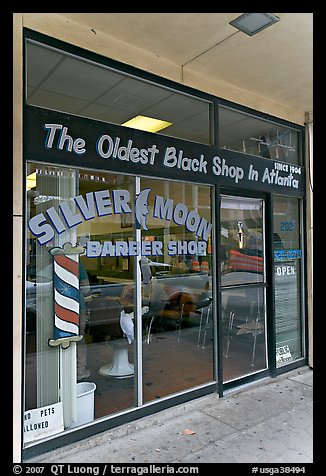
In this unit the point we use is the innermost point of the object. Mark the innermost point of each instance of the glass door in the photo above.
(243, 284)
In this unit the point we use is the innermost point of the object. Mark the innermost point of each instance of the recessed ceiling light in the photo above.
(31, 181)
(144, 123)
(252, 23)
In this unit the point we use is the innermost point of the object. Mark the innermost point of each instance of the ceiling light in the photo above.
(31, 181)
(252, 23)
(148, 124)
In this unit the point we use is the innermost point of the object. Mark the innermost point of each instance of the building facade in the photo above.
(154, 261)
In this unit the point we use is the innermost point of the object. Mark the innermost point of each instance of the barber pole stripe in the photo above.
(66, 295)
(66, 276)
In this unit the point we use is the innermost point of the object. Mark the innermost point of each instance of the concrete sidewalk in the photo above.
(266, 422)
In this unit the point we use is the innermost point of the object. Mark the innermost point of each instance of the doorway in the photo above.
(243, 286)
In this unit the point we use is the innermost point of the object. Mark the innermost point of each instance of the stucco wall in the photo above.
(57, 26)
(17, 233)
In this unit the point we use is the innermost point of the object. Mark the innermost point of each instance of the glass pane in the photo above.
(178, 327)
(66, 83)
(251, 135)
(243, 303)
(242, 244)
(287, 279)
(68, 208)
(85, 232)
(244, 331)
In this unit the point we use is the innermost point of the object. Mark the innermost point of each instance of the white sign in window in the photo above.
(283, 354)
(43, 422)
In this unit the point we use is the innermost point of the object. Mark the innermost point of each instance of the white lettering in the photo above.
(186, 248)
(163, 208)
(56, 220)
(71, 220)
(192, 221)
(87, 208)
(120, 200)
(157, 248)
(52, 129)
(93, 249)
(103, 202)
(204, 229)
(172, 160)
(99, 146)
(108, 249)
(180, 214)
(118, 203)
(40, 228)
(273, 177)
(107, 147)
(285, 270)
(220, 167)
(77, 145)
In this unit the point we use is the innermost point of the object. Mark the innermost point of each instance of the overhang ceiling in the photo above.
(275, 64)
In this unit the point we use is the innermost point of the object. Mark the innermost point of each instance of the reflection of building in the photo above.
(215, 288)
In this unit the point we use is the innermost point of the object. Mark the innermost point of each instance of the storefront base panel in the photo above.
(291, 366)
(71, 437)
(235, 384)
(67, 438)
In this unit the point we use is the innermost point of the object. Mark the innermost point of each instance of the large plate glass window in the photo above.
(178, 330)
(252, 135)
(288, 260)
(68, 83)
(118, 294)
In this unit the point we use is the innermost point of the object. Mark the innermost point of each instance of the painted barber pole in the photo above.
(66, 307)
(66, 295)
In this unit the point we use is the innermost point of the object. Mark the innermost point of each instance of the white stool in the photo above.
(120, 367)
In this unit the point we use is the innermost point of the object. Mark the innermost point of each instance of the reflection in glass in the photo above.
(243, 293)
(178, 328)
(251, 135)
(242, 256)
(61, 82)
(243, 323)
(82, 208)
(105, 355)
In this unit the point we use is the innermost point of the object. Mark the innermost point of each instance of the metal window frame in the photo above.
(302, 360)
(263, 285)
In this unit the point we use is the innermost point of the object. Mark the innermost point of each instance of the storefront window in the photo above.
(121, 268)
(88, 235)
(178, 344)
(287, 279)
(54, 307)
(251, 135)
(59, 81)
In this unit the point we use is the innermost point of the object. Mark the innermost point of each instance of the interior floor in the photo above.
(172, 362)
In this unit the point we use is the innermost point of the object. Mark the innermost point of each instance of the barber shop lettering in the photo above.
(116, 202)
(126, 150)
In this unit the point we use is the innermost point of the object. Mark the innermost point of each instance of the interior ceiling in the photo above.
(275, 64)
